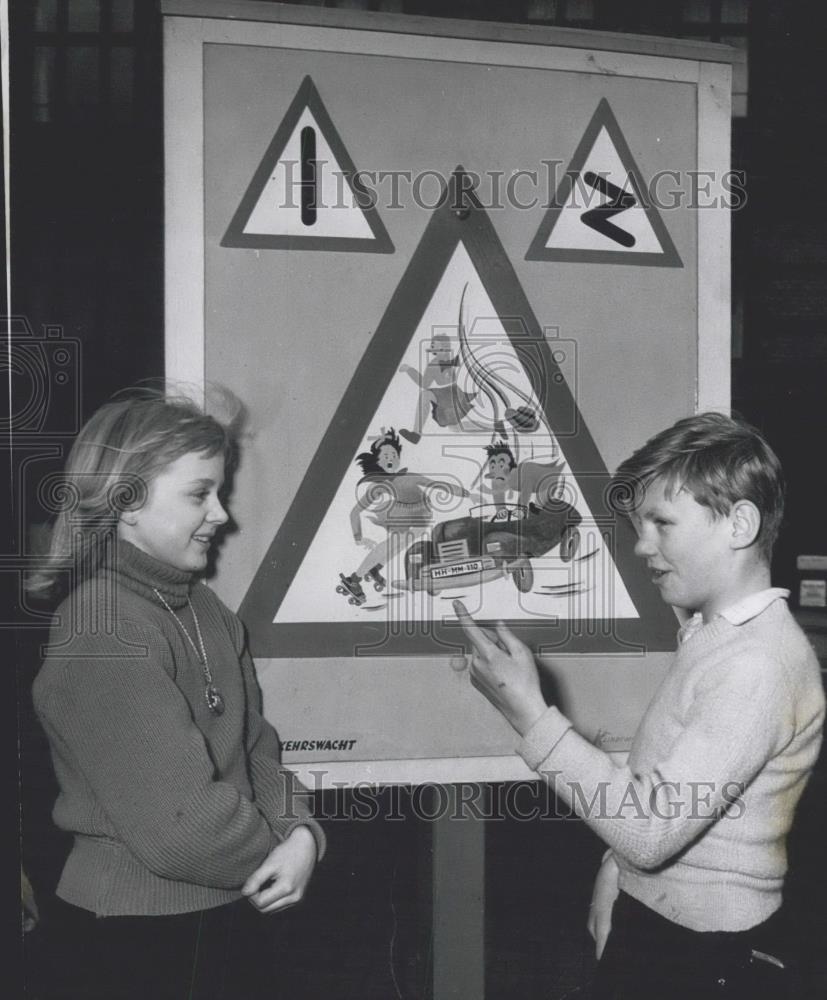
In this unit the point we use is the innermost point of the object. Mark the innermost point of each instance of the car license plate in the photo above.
(458, 569)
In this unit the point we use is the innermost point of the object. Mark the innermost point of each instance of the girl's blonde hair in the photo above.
(117, 454)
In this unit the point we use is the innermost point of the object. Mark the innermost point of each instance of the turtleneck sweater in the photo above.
(697, 817)
(172, 807)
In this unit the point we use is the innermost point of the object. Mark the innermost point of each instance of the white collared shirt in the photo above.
(737, 614)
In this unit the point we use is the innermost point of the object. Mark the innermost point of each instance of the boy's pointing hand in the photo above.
(503, 669)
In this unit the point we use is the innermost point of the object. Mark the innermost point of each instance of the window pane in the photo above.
(84, 15)
(43, 83)
(541, 10)
(122, 15)
(580, 10)
(696, 11)
(122, 63)
(45, 15)
(734, 11)
(81, 76)
(736, 41)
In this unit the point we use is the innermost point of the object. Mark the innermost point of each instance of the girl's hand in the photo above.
(281, 879)
(603, 899)
(503, 669)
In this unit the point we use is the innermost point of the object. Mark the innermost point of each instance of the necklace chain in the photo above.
(215, 702)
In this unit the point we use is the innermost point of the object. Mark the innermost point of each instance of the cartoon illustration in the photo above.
(478, 492)
(394, 499)
(439, 394)
(441, 398)
(543, 481)
(493, 540)
(487, 545)
(496, 387)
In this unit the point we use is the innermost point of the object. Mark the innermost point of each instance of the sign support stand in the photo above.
(458, 881)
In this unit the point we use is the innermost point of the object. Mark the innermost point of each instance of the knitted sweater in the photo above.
(698, 815)
(171, 806)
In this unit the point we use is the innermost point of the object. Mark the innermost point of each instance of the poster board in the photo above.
(513, 246)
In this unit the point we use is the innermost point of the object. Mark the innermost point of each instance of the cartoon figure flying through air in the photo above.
(440, 396)
(396, 500)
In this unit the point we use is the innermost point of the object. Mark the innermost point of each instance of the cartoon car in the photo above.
(494, 540)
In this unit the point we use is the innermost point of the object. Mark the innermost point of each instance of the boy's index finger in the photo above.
(476, 634)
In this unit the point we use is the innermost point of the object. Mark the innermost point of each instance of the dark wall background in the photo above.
(87, 225)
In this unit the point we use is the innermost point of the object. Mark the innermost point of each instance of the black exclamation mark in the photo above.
(308, 181)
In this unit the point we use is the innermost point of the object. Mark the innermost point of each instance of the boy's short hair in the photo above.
(719, 459)
(500, 448)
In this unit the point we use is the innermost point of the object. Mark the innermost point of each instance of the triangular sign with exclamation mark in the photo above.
(303, 194)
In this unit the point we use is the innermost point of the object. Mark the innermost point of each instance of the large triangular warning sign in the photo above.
(456, 466)
(303, 195)
(601, 212)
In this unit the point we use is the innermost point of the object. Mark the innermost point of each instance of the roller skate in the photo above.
(375, 576)
(350, 587)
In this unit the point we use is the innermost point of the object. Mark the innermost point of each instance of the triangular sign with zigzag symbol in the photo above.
(603, 211)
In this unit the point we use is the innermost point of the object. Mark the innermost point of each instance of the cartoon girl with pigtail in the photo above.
(396, 500)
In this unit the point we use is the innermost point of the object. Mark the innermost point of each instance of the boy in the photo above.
(697, 818)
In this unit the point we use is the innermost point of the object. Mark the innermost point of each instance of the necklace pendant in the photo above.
(215, 703)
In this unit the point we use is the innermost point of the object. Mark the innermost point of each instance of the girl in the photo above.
(169, 776)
